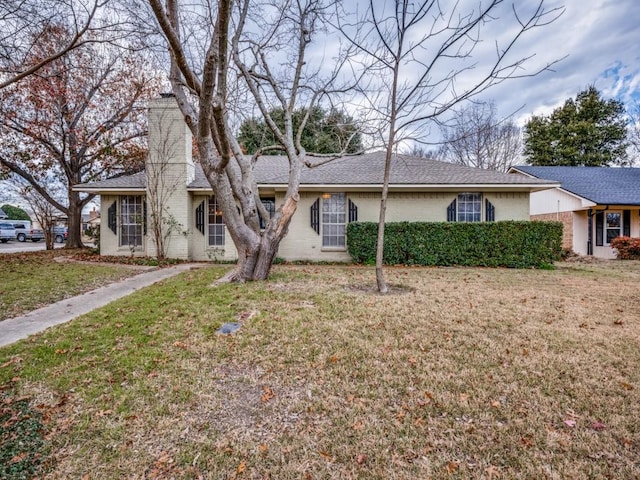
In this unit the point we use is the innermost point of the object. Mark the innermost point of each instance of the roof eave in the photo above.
(420, 186)
(110, 190)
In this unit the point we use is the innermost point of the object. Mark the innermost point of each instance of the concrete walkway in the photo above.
(17, 328)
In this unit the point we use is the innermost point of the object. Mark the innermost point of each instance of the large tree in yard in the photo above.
(588, 131)
(260, 48)
(81, 117)
(418, 60)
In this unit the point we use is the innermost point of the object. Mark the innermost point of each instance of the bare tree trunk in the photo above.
(254, 265)
(256, 258)
(380, 280)
(74, 216)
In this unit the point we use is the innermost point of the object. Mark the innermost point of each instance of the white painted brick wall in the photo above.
(169, 169)
(170, 147)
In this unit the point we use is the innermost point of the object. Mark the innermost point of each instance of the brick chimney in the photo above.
(169, 169)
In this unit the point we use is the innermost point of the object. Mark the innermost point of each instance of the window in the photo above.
(216, 224)
(333, 220)
(131, 221)
(469, 207)
(613, 226)
(270, 204)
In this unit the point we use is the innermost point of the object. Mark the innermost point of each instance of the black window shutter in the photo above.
(490, 211)
(353, 212)
(626, 223)
(112, 218)
(451, 212)
(315, 216)
(599, 229)
(144, 217)
(200, 217)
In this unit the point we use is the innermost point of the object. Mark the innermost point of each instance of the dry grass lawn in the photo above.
(461, 373)
(35, 279)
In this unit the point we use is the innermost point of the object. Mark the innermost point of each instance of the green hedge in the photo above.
(491, 244)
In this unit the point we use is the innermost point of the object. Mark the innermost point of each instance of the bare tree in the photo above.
(633, 135)
(25, 23)
(220, 50)
(423, 152)
(46, 214)
(81, 116)
(416, 62)
(477, 138)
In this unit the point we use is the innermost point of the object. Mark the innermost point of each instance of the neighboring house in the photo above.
(595, 204)
(91, 219)
(344, 190)
(3, 215)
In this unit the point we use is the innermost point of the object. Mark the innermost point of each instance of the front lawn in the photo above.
(460, 373)
(35, 279)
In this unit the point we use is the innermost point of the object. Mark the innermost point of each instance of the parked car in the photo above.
(60, 234)
(7, 232)
(23, 233)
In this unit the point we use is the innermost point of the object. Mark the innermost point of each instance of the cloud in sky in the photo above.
(595, 42)
(600, 39)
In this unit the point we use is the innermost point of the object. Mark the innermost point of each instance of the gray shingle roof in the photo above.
(356, 170)
(601, 185)
(137, 181)
(368, 170)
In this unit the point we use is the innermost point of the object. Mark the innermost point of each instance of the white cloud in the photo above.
(600, 39)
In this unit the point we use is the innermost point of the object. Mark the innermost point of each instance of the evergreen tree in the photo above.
(15, 213)
(325, 132)
(588, 131)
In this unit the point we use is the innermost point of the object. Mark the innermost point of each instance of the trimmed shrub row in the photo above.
(628, 248)
(516, 244)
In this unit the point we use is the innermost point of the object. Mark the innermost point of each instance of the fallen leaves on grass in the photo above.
(267, 394)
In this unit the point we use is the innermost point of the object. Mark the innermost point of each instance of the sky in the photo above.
(601, 42)
(598, 42)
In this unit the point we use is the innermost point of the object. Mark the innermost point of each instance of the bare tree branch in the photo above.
(419, 64)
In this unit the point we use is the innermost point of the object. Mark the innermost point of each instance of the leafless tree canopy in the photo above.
(634, 132)
(477, 138)
(246, 50)
(24, 23)
(81, 116)
(417, 60)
